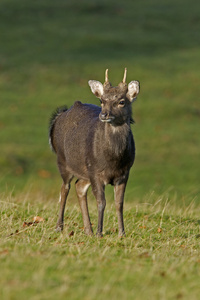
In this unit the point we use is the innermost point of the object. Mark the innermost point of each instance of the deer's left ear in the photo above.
(96, 88)
(133, 90)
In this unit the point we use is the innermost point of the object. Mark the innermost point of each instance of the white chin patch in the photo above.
(106, 121)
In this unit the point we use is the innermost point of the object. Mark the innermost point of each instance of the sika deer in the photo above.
(96, 145)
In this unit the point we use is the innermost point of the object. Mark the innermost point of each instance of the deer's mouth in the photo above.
(106, 119)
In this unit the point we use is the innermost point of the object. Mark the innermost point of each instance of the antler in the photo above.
(125, 72)
(106, 76)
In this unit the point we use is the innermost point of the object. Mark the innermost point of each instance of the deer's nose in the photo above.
(103, 115)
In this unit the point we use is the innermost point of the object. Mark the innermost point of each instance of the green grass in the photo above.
(48, 52)
(158, 259)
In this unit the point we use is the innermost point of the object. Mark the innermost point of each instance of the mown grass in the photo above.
(158, 258)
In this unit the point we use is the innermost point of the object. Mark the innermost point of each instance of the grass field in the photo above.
(48, 52)
(158, 259)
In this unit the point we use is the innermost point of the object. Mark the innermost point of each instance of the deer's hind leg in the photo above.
(67, 177)
(81, 190)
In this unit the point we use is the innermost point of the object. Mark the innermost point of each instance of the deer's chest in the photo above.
(112, 171)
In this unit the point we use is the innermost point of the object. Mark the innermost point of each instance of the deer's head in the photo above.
(115, 101)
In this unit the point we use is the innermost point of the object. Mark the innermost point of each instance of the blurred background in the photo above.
(48, 52)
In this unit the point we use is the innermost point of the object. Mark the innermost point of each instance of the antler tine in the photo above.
(106, 76)
(125, 72)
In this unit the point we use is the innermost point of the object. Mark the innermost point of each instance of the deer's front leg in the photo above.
(119, 191)
(99, 193)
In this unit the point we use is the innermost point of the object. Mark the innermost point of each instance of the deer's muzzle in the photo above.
(105, 117)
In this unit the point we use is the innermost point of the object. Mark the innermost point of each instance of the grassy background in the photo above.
(48, 52)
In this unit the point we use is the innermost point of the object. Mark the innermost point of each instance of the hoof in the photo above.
(99, 234)
(122, 234)
(88, 231)
(59, 229)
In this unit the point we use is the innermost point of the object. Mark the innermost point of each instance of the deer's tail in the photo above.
(52, 122)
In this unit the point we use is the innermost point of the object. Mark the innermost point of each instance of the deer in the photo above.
(95, 145)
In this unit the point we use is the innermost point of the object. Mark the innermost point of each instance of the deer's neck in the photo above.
(117, 139)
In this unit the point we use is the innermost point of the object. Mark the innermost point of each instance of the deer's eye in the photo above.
(122, 102)
(100, 101)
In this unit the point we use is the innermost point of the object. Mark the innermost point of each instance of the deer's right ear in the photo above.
(96, 88)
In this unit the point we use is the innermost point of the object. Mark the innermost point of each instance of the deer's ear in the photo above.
(133, 90)
(96, 88)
